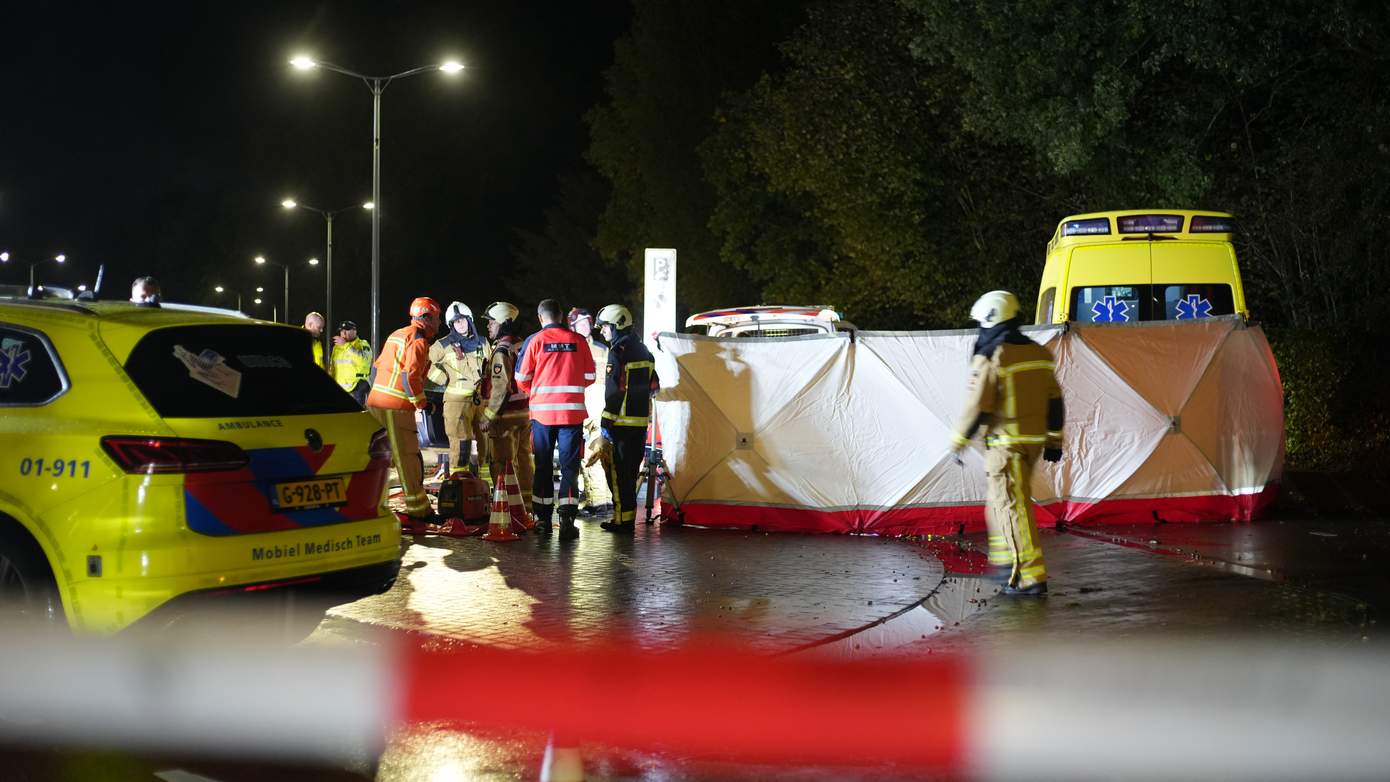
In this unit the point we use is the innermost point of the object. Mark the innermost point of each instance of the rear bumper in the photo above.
(319, 590)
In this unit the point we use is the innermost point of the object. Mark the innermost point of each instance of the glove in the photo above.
(1052, 454)
(601, 449)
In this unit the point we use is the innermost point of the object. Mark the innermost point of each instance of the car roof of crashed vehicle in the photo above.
(735, 315)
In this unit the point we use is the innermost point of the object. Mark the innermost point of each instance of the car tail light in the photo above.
(148, 455)
(380, 449)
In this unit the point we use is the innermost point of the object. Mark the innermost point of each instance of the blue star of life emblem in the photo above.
(1193, 307)
(1110, 310)
(14, 365)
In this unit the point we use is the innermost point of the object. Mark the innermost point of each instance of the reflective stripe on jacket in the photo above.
(352, 363)
(500, 396)
(400, 371)
(557, 367)
(460, 373)
(631, 380)
(1015, 395)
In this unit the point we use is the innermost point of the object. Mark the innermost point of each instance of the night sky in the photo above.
(161, 139)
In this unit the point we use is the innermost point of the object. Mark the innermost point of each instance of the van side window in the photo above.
(1045, 306)
(30, 374)
(1187, 302)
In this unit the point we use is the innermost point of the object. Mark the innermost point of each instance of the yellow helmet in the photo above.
(501, 311)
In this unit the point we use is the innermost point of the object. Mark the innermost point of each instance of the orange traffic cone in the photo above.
(499, 523)
(515, 505)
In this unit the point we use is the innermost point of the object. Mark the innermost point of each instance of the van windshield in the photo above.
(233, 371)
(1171, 301)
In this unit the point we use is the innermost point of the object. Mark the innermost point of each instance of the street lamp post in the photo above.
(260, 259)
(328, 215)
(220, 289)
(59, 258)
(377, 84)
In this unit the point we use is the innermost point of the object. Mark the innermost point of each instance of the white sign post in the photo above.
(659, 309)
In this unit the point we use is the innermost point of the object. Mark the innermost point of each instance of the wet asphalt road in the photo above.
(852, 598)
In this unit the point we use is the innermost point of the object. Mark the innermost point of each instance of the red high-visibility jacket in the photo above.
(556, 369)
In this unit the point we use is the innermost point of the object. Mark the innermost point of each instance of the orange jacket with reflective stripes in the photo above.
(556, 369)
(400, 371)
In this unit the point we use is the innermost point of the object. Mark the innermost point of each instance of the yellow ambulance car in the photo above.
(154, 461)
(1137, 265)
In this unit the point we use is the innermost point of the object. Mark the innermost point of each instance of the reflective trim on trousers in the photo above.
(1015, 439)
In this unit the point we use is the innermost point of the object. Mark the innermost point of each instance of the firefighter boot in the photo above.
(567, 529)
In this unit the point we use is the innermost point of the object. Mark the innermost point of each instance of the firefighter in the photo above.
(352, 362)
(556, 369)
(629, 382)
(506, 417)
(598, 496)
(314, 323)
(456, 362)
(397, 392)
(1014, 394)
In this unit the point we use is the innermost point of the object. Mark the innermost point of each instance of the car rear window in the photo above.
(233, 370)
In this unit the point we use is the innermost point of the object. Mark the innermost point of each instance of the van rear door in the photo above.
(1194, 279)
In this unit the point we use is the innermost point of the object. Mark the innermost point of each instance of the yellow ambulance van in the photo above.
(1137, 265)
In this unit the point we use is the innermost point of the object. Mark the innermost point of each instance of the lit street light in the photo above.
(260, 259)
(377, 84)
(328, 215)
(59, 258)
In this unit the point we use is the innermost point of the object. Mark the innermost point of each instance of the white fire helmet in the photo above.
(455, 311)
(994, 308)
(615, 315)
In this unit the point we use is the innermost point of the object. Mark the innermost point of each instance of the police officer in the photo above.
(554, 373)
(1014, 395)
(457, 364)
(506, 414)
(629, 382)
(397, 392)
(598, 496)
(352, 362)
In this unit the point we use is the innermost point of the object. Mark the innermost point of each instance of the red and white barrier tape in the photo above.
(1150, 711)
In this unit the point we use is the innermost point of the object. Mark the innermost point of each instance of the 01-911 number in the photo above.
(57, 468)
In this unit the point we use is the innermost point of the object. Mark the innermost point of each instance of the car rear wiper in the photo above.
(1150, 238)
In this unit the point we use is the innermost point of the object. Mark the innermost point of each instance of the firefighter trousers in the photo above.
(458, 425)
(1012, 528)
(629, 446)
(405, 454)
(596, 488)
(510, 441)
